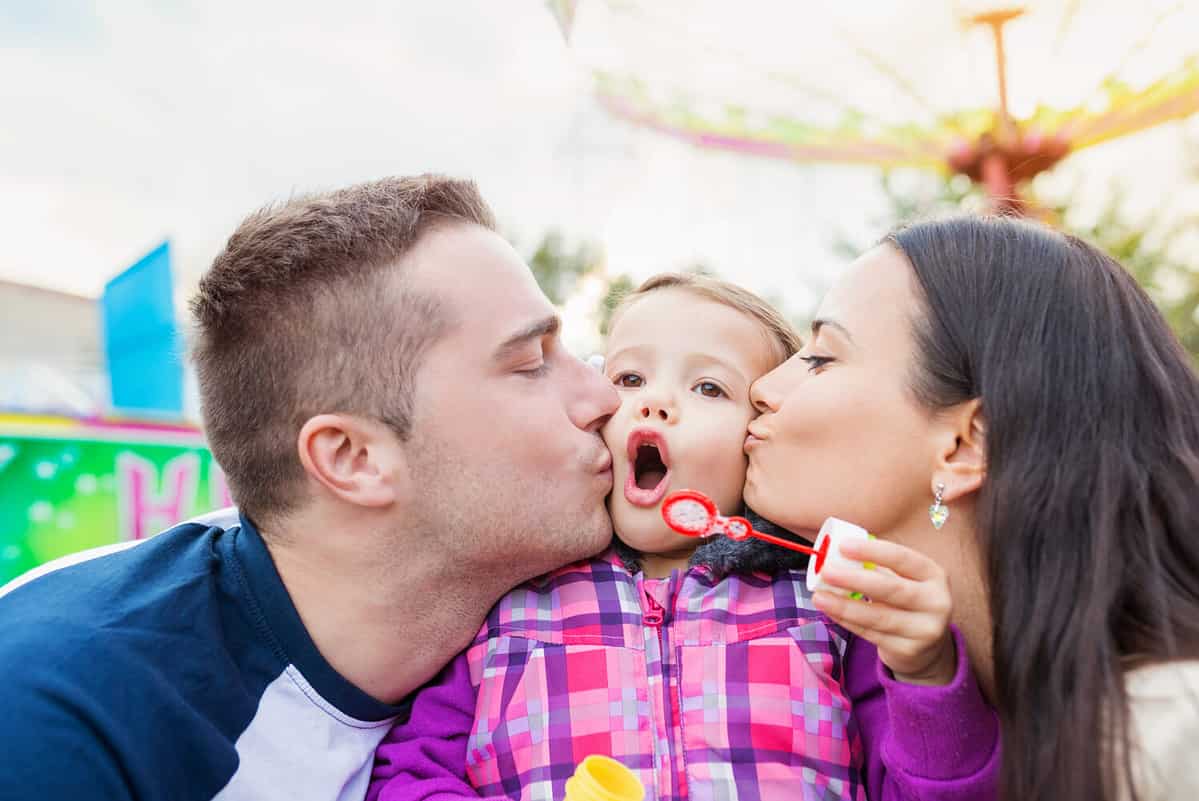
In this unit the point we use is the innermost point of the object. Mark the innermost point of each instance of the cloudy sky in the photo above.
(124, 123)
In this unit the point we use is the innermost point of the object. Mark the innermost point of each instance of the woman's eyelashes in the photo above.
(816, 362)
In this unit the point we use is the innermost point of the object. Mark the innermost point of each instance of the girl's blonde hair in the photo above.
(781, 332)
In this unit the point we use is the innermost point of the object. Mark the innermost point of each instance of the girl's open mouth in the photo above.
(649, 473)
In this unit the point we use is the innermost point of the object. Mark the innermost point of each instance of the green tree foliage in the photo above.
(1162, 254)
(617, 288)
(558, 267)
(1157, 255)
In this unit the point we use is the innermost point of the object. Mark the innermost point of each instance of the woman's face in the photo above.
(841, 433)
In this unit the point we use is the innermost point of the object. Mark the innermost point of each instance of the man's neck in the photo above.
(387, 625)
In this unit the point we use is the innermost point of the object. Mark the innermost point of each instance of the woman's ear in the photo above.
(962, 463)
(359, 461)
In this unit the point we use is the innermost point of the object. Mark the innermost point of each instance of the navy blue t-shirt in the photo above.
(177, 668)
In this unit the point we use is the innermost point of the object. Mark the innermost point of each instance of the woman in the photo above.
(1021, 383)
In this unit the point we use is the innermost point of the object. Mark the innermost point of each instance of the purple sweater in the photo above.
(917, 742)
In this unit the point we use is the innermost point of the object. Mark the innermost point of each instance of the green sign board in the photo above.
(67, 485)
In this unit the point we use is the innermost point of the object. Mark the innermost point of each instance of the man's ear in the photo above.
(360, 461)
(962, 461)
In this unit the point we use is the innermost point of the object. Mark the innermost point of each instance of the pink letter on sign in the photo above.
(143, 509)
(218, 487)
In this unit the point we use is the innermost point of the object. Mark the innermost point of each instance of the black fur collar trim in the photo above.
(723, 556)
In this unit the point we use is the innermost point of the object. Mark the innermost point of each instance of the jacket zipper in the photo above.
(655, 618)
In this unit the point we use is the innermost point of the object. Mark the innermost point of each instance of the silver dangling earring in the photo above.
(938, 512)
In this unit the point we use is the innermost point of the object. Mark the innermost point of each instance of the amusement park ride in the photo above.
(995, 147)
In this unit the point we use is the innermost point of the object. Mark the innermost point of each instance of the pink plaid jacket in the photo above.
(711, 688)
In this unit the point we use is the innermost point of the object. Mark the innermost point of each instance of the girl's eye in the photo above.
(815, 362)
(629, 380)
(709, 389)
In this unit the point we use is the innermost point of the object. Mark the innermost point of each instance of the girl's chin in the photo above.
(755, 496)
(663, 542)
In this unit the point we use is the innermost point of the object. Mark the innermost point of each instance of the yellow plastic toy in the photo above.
(601, 778)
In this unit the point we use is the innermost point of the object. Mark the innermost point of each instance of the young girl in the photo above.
(701, 665)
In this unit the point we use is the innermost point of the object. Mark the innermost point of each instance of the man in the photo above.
(384, 385)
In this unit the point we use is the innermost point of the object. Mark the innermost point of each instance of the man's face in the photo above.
(509, 470)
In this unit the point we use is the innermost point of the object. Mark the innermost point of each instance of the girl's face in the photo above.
(841, 433)
(682, 365)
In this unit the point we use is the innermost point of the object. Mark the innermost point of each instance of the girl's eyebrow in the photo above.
(703, 359)
(633, 350)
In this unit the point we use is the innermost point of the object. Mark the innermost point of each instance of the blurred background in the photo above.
(767, 142)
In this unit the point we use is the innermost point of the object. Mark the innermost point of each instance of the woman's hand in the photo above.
(907, 616)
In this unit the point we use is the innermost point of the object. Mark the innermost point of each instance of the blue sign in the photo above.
(141, 339)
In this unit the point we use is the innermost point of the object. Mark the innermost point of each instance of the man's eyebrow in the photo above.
(819, 323)
(544, 327)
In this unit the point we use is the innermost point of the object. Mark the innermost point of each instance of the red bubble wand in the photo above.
(694, 514)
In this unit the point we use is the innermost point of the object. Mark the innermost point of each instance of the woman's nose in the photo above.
(763, 394)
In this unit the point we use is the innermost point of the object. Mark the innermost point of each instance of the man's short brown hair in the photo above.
(304, 313)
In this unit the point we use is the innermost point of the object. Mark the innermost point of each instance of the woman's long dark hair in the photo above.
(1089, 516)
